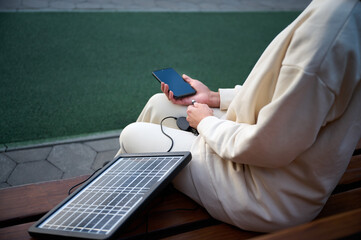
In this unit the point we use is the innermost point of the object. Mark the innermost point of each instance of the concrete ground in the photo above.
(73, 157)
(153, 5)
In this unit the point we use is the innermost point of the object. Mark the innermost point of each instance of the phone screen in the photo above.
(176, 83)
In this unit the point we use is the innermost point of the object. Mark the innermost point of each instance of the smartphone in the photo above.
(176, 83)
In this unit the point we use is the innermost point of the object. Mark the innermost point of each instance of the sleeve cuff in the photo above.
(226, 96)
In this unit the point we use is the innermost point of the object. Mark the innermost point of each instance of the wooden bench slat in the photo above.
(335, 227)
(353, 171)
(337, 204)
(16, 232)
(170, 212)
(224, 231)
(34, 199)
(358, 149)
(341, 202)
(220, 231)
(358, 146)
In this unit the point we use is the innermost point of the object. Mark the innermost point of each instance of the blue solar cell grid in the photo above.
(106, 201)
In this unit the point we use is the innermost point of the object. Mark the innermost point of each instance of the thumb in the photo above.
(187, 78)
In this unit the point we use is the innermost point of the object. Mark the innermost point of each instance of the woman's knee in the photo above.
(153, 109)
(156, 101)
(142, 137)
(127, 137)
(128, 131)
(157, 98)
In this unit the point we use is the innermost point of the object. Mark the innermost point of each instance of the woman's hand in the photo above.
(196, 112)
(203, 95)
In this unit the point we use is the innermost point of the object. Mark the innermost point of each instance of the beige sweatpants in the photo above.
(145, 136)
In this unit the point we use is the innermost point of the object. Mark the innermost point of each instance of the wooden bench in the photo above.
(172, 215)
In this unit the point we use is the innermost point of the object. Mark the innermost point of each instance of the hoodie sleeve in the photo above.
(227, 95)
(285, 127)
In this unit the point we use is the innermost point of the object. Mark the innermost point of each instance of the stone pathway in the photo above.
(57, 160)
(153, 5)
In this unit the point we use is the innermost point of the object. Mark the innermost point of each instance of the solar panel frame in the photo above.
(37, 231)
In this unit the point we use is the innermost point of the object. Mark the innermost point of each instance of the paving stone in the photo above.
(102, 158)
(33, 172)
(208, 7)
(6, 167)
(186, 6)
(29, 155)
(77, 172)
(283, 4)
(4, 185)
(64, 5)
(145, 4)
(109, 6)
(104, 144)
(169, 5)
(89, 5)
(153, 5)
(73, 159)
(10, 4)
(2, 146)
(35, 4)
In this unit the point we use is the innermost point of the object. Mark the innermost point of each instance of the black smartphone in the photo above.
(176, 83)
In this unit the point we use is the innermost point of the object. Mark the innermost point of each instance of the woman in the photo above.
(269, 153)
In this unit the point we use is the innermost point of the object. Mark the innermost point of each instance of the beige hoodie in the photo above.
(290, 130)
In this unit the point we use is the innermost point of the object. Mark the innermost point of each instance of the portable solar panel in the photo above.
(105, 203)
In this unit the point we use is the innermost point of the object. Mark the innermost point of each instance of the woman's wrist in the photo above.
(214, 99)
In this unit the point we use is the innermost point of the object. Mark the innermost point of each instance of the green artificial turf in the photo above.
(64, 74)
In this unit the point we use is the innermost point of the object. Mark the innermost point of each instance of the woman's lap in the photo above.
(145, 135)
